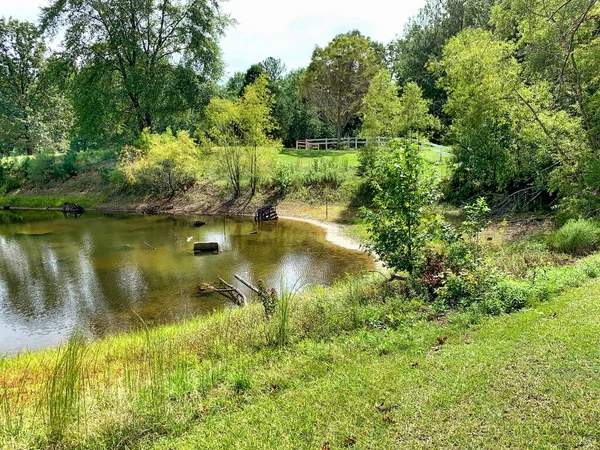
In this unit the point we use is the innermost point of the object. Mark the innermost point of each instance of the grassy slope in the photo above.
(529, 380)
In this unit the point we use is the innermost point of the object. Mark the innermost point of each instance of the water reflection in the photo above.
(100, 272)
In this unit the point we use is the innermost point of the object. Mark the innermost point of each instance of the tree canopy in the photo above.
(150, 56)
(338, 78)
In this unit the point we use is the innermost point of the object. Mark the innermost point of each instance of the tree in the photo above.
(147, 52)
(480, 77)
(295, 118)
(424, 38)
(274, 68)
(338, 78)
(413, 114)
(381, 107)
(256, 123)
(241, 130)
(235, 85)
(405, 189)
(32, 112)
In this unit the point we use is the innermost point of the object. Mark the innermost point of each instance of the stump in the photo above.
(72, 208)
(201, 247)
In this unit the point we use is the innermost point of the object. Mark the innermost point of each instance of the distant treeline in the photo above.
(512, 85)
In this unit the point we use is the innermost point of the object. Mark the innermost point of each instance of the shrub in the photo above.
(504, 297)
(576, 237)
(68, 165)
(43, 168)
(160, 165)
(283, 177)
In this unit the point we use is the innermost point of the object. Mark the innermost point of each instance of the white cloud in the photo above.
(281, 28)
(291, 30)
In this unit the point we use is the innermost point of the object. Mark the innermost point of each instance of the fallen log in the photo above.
(235, 294)
(247, 284)
(200, 247)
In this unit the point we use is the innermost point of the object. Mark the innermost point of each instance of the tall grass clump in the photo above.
(576, 237)
(63, 390)
(282, 318)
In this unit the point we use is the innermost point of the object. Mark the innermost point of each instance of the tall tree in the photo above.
(338, 79)
(146, 51)
(424, 38)
(25, 92)
(381, 109)
(274, 68)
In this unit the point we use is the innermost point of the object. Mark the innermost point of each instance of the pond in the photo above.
(105, 273)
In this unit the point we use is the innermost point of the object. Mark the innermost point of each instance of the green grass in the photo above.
(356, 365)
(50, 201)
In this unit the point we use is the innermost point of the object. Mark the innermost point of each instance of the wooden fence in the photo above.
(346, 142)
(356, 142)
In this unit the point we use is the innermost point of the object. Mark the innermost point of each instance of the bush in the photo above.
(576, 237)
(504, 297)
(43, 168)
(283, 177)
(160, 165)
(68, 165)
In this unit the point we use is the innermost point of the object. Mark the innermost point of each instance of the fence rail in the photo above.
(327, 143)
(355, 143)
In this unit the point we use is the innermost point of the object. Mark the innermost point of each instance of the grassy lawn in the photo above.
(362, 368)
(529, 380)
(304, 158)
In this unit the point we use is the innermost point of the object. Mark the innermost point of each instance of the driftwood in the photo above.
(227, 290)
(200, 247)
(247, 284)
(393, 276)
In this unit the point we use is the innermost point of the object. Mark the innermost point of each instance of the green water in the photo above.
(101, 271)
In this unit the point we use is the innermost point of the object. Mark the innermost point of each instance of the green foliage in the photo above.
(424, 38)
(325, 173)
(381, 108)
(160, 165)
(241, 132)
(338, 78)
(576, 237)
(475, 221)
(400, 222)
(283, 177)
(413, 112)
(33, 113)
(145, 67)
(43, 168)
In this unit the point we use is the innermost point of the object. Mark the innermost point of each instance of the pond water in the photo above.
(99, 272)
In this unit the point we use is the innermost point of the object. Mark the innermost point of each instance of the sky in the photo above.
(281, 28)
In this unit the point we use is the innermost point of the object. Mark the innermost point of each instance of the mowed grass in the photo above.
(529, 380)
(304, 158)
